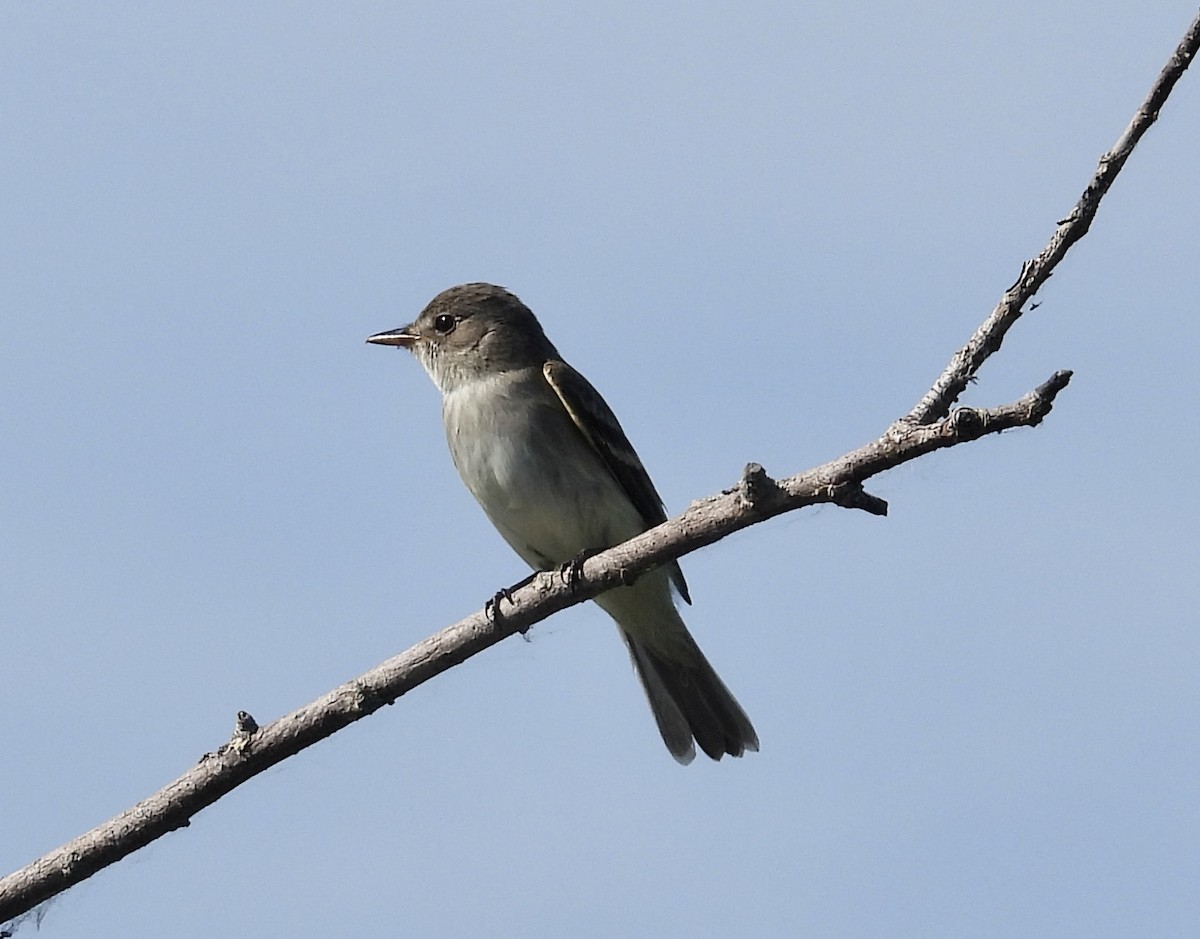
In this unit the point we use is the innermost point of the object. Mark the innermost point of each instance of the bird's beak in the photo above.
(402, 336)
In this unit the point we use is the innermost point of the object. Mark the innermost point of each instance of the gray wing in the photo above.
(600, 427)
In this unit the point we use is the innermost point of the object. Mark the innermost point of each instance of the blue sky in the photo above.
(760, 231)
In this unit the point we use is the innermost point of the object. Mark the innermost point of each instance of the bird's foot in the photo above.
(492, 610)
(572, 571)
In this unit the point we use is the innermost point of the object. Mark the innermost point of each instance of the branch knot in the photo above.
(756, 486)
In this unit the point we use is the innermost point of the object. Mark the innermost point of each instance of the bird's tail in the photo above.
(689, 701)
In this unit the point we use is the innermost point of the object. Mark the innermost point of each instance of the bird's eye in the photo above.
(444, 323)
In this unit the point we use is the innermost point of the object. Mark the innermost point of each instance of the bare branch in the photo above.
(967, 361)
(252, 749)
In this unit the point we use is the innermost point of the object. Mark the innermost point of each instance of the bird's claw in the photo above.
(491, 609)
(572, 571)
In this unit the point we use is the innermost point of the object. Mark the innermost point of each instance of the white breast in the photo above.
(542, 485)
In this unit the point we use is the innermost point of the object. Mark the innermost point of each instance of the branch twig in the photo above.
(967, 361)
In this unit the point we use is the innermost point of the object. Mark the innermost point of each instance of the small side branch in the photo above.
(967, 361)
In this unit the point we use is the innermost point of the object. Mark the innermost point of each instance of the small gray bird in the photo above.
(546, 459)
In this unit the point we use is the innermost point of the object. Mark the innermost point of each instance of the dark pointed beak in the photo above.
(402, 336)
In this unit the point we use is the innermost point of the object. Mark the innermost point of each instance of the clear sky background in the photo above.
(760, 230)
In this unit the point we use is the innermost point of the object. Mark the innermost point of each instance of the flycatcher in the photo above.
(545, 457)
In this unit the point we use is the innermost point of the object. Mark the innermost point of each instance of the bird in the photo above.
(551, 467)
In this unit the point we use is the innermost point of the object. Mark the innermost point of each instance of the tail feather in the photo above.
(689, 701)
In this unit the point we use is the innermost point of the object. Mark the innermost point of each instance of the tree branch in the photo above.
(251, 750)
(756, 497)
